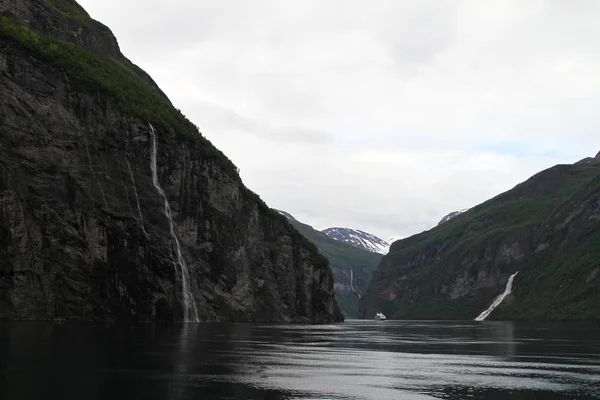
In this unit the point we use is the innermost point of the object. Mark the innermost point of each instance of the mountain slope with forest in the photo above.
(547, 228)
(113, 206)
(351, 266)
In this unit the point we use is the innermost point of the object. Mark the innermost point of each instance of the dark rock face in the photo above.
(83, 234)
(68, 22)
(62, 19)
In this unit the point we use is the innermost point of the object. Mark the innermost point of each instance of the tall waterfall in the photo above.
(499, 299)
(190, 312)
(352, 283)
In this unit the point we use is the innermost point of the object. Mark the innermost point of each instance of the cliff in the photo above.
(351, 266)
(85, 232)
(547, 228)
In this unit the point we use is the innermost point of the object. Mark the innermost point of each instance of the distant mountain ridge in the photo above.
(547, 229)
(360, 239)
(352, 266)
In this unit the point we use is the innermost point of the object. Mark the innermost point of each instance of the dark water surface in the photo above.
(353, 360)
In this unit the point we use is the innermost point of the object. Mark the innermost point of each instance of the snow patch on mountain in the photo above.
(360, 239)
(453, 214)
(288, 216)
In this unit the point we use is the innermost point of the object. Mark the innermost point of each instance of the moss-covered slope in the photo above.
(547, 228)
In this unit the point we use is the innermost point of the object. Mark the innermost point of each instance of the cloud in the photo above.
(382, 116)
(229, 122)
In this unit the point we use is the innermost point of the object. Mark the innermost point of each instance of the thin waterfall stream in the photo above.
(499, 299)
(190, 312)
(352, 283)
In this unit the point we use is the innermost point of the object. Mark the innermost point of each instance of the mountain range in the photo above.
(115, 207)
(357, 238)
(547, 229)
(351, 265)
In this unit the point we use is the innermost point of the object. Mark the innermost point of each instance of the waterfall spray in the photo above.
(190, 312)
(499, 299)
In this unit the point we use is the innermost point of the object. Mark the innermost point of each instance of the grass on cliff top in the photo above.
(70, 10)
(113, 79)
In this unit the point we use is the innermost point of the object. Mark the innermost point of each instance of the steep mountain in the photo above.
(448, 217)
(547, 229)
(113, 206)
(360, 239)
(351, 266)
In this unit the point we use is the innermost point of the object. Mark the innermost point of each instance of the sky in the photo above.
(379, 115)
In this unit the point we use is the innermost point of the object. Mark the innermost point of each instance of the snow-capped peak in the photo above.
(360, 239)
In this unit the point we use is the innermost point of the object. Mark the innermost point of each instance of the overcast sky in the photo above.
(377, 115)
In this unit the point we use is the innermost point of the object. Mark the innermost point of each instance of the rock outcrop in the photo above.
(83, 232)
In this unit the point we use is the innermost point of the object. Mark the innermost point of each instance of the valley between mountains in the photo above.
(115, 207)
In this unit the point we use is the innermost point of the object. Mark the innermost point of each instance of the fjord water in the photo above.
(352, 360)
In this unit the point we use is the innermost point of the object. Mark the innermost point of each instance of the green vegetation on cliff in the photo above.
(115, 79)
(546, 228)
(69, 10)
(83, 233)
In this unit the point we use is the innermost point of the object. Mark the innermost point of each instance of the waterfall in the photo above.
(189, 305)
(352, 283)
(499, 299)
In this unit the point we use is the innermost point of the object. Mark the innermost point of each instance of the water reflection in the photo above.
(354, 360)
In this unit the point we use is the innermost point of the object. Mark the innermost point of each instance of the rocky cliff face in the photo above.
(83, 232)
(351, 265)
(547, 228)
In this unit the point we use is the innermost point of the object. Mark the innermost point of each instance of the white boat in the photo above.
(380, 317)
